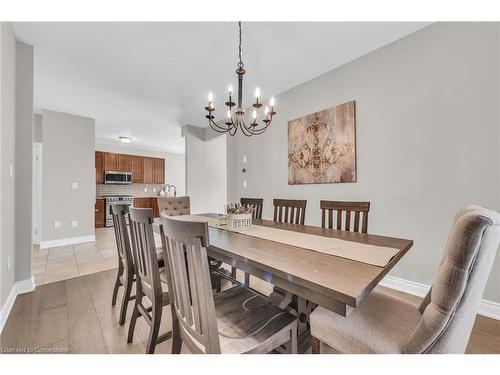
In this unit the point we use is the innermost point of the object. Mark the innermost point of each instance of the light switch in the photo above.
(74, 223)
(57, 224)
(11, 171)
(244, 159)
(245, 183)
(74, 185)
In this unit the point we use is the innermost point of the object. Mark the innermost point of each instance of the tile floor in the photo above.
(65, 262)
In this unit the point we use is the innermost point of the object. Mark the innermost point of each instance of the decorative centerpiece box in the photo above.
(239, 216)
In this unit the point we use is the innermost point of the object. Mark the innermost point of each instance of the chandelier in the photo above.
(235, 117)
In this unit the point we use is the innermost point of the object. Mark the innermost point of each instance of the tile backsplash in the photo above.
(136, 190)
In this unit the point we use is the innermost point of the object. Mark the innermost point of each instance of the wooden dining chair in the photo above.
(126, 275)
(148, 278)
(291, 211)
(257, 203)
(236, 320)
(360, 210)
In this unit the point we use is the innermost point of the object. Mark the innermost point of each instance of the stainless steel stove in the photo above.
(115, 199)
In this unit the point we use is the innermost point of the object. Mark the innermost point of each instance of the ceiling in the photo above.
(146, 80)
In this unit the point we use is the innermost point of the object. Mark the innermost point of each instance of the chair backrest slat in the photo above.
(193, 303)
(144, 252)
(289, 211)
(257, 203)
(119, 212)
(359, 208)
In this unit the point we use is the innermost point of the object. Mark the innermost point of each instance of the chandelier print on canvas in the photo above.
(322, 146)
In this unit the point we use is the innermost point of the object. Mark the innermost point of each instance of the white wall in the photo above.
(206, 171)
(427, 134)
(68, 156)
(175, 164)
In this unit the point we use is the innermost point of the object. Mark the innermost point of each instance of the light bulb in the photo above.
(210, 96)
(228, 114)
(271, 102)
(211, 105)
(230, 89)
(254, 114)
(266, 110)
(257, 92)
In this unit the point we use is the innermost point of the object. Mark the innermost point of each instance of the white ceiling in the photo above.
(146, 80)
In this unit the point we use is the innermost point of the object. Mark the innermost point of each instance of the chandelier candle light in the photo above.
(235, 118)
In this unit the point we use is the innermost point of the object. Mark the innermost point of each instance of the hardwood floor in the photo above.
(76, 316)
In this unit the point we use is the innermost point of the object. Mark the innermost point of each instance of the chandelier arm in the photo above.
(244, 129)
(218, 128)
(257, 131)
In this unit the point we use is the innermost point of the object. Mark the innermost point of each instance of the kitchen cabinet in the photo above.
(148, 170)
(111, 161)
(137, 169)
(159, 171)
(140, 202)
(154, 204)
(99, 167)
(145, 170)
(124, 163)
(147, 202)
(99, 213)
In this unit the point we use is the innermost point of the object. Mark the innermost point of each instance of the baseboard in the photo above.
(66, 241)
(487, 308)
(21, 287)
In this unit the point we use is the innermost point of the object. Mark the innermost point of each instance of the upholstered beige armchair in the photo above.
(174, 206)
(443, 323)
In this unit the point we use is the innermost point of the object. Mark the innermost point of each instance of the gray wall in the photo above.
(7, 154)
(37, 131)
(427, 137)
(24, 160)
(175, 164)
(68, 156)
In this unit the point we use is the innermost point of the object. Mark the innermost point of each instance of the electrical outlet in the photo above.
(9, 263)
(245, 183)
(74, 223)
(57, 224)
(74, 185)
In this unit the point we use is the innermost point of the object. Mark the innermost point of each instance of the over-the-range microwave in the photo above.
(119, 178)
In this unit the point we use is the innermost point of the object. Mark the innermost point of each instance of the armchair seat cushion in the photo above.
(381, 324)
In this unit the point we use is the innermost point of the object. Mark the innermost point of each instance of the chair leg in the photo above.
(126, 298)
(315, 345)
(133, 320)
(115, 289)
(154, 329)
(176, 337)
(247, 279)
(218, 284)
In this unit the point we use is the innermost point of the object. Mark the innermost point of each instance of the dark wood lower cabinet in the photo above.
(144, 202)
(99, 213)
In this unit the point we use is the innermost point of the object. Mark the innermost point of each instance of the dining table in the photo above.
(298, 262)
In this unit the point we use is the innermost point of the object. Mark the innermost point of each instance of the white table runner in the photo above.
(370, 254)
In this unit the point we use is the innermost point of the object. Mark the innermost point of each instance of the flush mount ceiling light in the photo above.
(125, 139)
(235, 118)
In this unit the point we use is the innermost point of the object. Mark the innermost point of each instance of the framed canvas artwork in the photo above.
(322, 146)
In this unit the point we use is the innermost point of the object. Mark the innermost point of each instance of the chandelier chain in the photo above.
(240, 63)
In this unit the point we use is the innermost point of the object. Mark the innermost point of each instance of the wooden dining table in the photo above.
(304, 278)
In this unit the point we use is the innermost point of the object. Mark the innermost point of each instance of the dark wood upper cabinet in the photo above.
(137, 169)
(99, 167)
(159, 171)
(110, 161)
(147, 170)
(124, 163)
